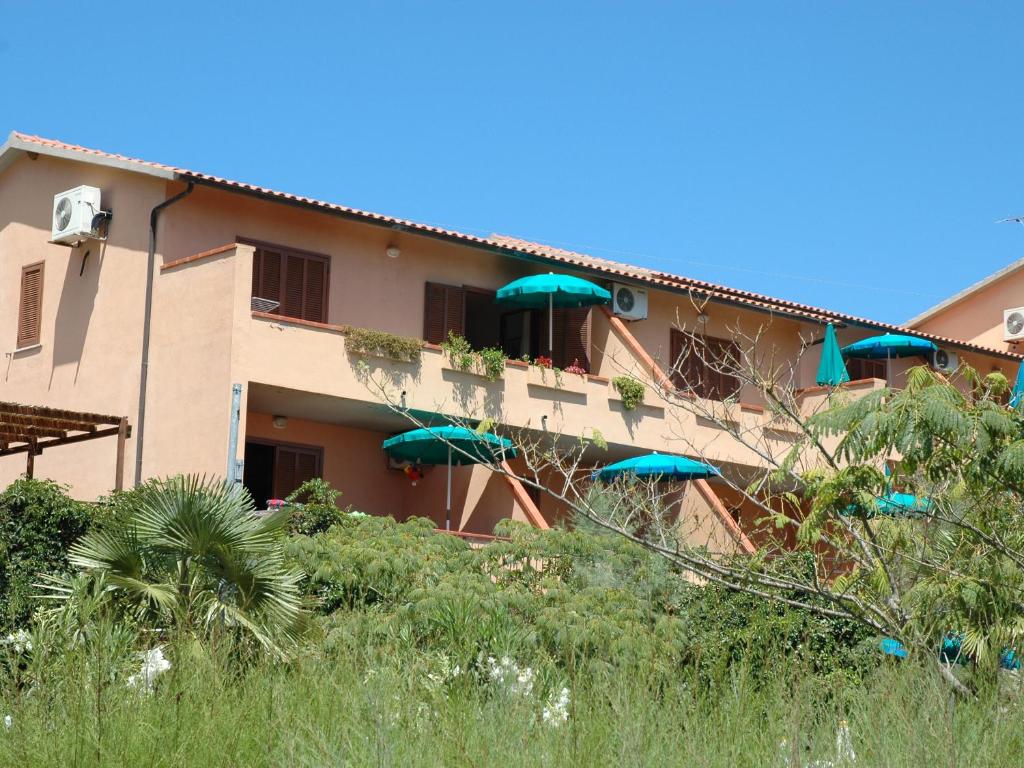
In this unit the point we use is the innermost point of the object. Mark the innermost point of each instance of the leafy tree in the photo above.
(825, 475)
(193, 554)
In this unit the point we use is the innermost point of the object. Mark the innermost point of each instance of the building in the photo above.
(208, 293)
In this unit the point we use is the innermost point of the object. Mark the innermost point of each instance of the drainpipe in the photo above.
(140, 422)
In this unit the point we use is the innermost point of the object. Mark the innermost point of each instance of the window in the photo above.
(700, 365)
(444, 312)
(472, 313)
(297, 282)
(30, 305)
(865, 369)
(571, 338)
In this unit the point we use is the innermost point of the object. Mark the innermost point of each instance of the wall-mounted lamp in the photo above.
(280, 422)
(702, 317)
(393, 251)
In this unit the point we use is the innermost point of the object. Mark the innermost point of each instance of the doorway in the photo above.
(273, 470)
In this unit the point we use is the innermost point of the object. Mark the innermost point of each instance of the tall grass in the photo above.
(381, 709)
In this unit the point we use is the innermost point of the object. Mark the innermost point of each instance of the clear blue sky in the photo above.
(848, 154)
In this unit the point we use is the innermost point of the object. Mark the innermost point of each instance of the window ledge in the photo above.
(23, 350)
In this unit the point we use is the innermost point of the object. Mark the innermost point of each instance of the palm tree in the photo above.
(194, 553)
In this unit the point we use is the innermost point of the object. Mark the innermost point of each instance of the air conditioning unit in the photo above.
(1013, 324)
(945, 360)
(73, 214)
(629, 302)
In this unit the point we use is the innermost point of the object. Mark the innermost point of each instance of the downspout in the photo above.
(140, 422)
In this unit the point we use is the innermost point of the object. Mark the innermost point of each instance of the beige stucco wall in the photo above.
(91, 330)
(978, 318)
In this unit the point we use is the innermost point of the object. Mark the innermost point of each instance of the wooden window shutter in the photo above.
(315, 290)
(30, 305)
(299, 282)
(266, 275)
(700, 365)
(444, 311)
(284, 472)
(572, 338)
(292, 467)
(294, 286)
(680, 360)
(306, 467)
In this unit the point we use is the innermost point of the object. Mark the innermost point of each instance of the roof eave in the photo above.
(16, 146)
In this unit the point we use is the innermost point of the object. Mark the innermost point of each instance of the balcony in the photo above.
(303, 356)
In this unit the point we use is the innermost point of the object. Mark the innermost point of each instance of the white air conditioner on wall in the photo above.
(1013, 324)
(945, 360)
(629, 302)
(73, 214)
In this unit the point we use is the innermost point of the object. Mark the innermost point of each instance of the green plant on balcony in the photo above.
(630, 390)
(459, 351)
(493, 361)
(363, 341)
(488, 362)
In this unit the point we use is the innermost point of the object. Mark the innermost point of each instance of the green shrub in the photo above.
(314, 508)
(630, 390)
(38, 523)
(363, 341)
(727, 627)
(569, 598)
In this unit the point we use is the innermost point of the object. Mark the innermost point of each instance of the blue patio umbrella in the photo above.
(550, 291)
(951, 651)
(660, 466)
(448, 445)
(896, 505)
(887, 346)
(1017, 393)
(832, 369)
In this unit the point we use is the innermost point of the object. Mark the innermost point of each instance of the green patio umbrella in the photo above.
(448, 445)
(832, 368)
(550, 291)
(887, 346)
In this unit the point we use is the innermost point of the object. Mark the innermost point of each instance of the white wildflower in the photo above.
(557, 712)
(153, 664)
(844, 745)
(509, 675)
(444, 673)
(8, 722)
(21, 641)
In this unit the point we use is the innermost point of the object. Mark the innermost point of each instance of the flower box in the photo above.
(474, 373)
(538, 376)
(652, 405)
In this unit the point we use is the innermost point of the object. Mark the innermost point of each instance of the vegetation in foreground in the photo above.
(400, 646)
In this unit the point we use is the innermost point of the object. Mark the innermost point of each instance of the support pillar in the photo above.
(122, 438)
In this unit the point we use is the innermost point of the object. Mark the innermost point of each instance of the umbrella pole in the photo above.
(551, 327)
(448, 495)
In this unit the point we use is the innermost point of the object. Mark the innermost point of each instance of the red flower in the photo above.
(576, 368)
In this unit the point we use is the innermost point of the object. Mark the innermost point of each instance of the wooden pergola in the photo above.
(31, 429)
